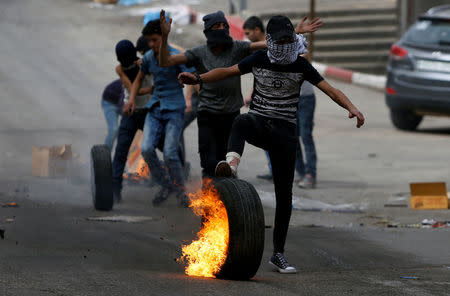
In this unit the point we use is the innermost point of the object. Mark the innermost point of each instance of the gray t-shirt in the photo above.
(223, 96)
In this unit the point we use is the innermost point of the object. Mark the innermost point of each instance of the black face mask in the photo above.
(220, 37)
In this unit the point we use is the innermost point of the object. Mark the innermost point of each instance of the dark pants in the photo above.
(213, 133)
(127, 130)
(279, 138)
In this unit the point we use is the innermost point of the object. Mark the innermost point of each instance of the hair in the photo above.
(253, 22)
(152, 27)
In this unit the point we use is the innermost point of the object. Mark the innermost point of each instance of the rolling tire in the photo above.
(405, 119)
(101, 178)
(246, 228)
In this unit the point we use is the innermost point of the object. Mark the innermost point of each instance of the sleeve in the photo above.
(182, 67)
(145, 67)
(246, 65)
(310, 73)
(243, 49)
(193, 56)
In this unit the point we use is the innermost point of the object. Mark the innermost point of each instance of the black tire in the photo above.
(101, 178)
(405, 119)
(246, 228)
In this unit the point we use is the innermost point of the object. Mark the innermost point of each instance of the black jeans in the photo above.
(213, 133)
(127, 129)
(279, 138)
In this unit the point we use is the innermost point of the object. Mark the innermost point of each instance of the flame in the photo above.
(139, 172)
(206, 255)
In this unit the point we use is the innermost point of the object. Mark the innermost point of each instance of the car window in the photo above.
(429, 33)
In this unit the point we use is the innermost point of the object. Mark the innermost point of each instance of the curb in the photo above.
(377, 82)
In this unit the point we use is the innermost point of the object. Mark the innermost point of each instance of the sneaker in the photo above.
(298, 179)
(223, 169)
(267, 177)
(280, 263)
(161, 196)
(309, 182)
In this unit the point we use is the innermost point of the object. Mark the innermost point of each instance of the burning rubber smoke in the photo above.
(206, 255)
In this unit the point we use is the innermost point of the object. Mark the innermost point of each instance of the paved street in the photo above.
(56, 56)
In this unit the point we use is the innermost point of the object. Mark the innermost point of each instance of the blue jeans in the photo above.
(112, 113)
(305, 123)
(166, 125)
(127, 130)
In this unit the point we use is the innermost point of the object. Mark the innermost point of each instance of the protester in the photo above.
(164, 120)
(271, 122)
(112, 103)
(142, 45)
(131, 121)
(219, 102)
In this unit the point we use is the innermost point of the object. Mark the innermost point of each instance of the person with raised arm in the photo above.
(270, 124)
(219, 102)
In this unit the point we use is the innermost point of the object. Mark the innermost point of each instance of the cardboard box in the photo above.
(51, 161)
(429, 196)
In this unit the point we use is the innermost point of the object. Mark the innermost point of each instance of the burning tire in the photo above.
(246, 228)
(101, 178)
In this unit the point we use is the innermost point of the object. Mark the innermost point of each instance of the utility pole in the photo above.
(312, 15)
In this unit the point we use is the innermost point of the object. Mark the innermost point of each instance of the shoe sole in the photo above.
(280, 270)
(223, 170)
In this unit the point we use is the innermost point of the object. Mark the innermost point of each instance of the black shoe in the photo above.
(161, 196)
(280, 263)
(223, 170)
(267, 177)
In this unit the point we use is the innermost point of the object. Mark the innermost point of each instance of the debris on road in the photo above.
(409, 277)
(395, 205)
(9, 220)
(429, 195)
(2, 233)
(121, 218)
(309, 205)
(10, 205)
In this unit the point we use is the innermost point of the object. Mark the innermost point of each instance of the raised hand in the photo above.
(187, 78)
(165, 25)
(359, 117)
(310, 27)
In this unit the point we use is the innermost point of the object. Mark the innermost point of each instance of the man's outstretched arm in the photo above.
(338, 96)
(165, 59)
(211, 76)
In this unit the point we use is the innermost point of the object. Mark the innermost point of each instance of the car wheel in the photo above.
(405, 119)
(246, 228)
(101, 178)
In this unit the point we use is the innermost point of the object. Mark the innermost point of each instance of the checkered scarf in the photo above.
(286, 53)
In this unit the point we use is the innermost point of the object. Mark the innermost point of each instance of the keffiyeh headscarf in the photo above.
(286, 53)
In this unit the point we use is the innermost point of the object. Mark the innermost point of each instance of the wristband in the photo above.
(199, 79)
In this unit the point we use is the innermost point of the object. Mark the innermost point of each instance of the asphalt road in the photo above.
(55, 58)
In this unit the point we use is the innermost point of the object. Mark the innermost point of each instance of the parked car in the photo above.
(418, 72)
